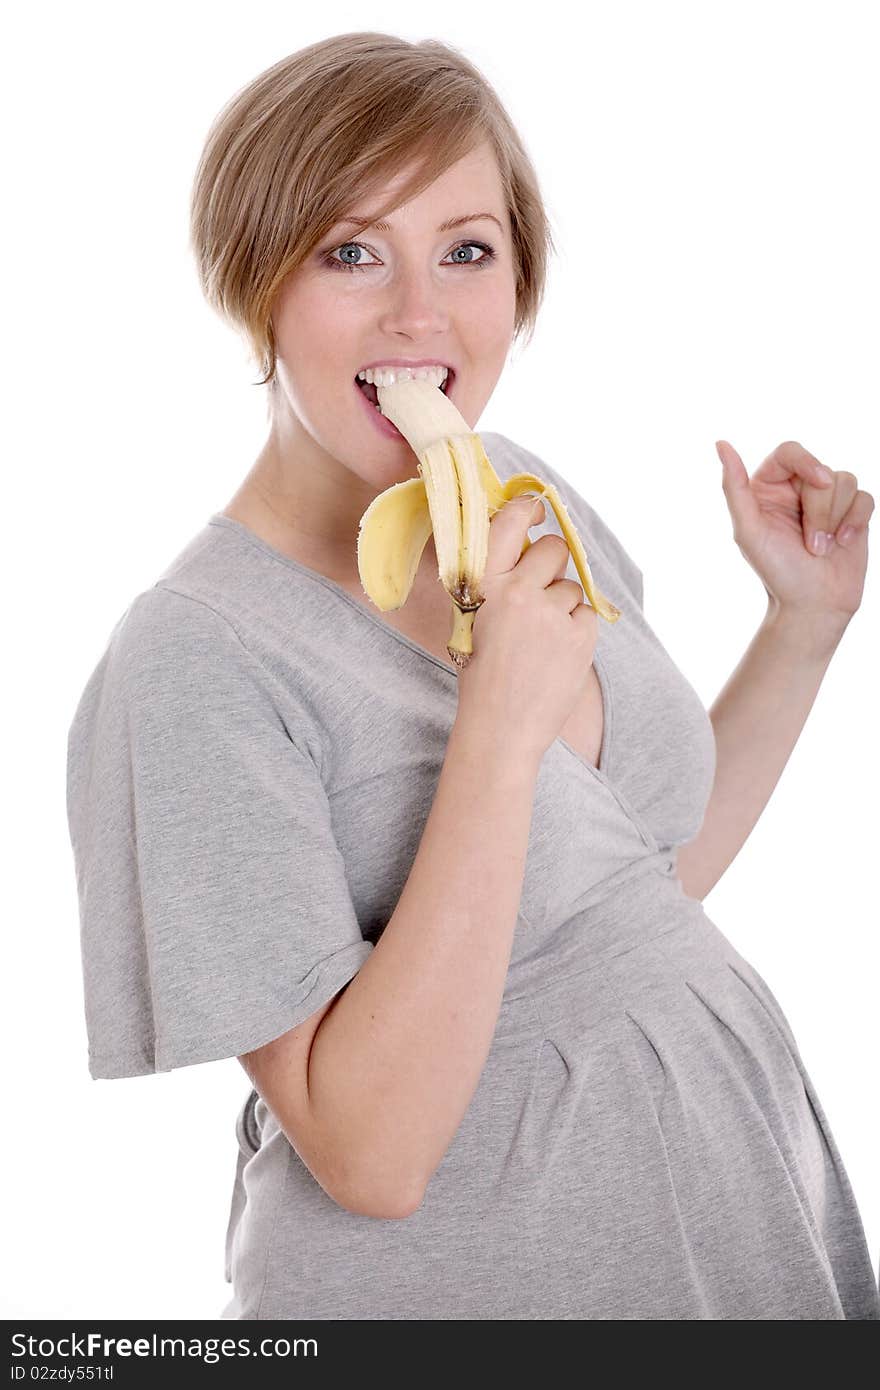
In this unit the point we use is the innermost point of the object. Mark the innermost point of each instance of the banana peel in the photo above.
(454, 498)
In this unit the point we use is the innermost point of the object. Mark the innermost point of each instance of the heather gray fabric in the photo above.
(250, 769)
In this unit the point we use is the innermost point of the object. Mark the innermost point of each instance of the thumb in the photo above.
(735, 481)
(508, 531)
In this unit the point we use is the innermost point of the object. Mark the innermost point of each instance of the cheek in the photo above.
(312, 319)
(492, 309)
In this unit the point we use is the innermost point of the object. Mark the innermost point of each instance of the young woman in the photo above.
(502, 1064)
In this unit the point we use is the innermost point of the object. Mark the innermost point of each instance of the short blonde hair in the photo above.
(291, 153)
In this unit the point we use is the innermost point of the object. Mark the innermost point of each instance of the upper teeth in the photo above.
(386, 376)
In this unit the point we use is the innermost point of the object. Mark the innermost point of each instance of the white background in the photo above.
(710, 175)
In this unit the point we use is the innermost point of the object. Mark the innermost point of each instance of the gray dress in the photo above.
(250, 768)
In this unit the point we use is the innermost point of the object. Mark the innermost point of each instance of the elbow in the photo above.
(700, 864)
(373, 1190)
(382, 1205)
(349, 1186)
(691, 891)
(693, 888)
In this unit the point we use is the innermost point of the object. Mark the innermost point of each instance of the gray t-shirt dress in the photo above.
(250, 769)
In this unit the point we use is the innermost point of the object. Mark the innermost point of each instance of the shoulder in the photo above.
(165, 625)
(169, 646)
(175, 665)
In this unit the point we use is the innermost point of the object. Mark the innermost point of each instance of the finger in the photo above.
(856, 519)
(823, 511)
(546, 561)
(791, 459)
(570, 590)
(743, 507)
(508, 531)
(846, 487)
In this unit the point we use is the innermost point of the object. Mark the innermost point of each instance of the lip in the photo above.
(380, 421)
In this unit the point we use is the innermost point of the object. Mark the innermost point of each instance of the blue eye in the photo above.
(329, 259)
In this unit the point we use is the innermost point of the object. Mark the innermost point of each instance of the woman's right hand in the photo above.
(533, 637)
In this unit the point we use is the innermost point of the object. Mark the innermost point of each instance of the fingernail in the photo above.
(820, 542)
(824, 474)
(846, 535)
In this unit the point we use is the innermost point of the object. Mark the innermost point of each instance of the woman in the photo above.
(502, 1064)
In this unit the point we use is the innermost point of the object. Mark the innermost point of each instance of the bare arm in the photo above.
(394, 1064)
(757, 719)
(372, 1092)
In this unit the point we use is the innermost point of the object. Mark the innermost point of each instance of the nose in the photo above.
(416, 305)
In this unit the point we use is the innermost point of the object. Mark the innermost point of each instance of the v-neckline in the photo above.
(599, 771)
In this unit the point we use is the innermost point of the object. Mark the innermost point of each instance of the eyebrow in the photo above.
(444, 226)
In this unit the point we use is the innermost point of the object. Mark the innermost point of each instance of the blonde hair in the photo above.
(291, 152)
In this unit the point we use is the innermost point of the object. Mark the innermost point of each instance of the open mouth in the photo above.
(369, 388)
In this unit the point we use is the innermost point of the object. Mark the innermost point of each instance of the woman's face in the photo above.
(416, 293)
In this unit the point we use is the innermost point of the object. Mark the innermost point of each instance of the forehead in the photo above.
(468, 190)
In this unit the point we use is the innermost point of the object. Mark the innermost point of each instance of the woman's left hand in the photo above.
(776, 515)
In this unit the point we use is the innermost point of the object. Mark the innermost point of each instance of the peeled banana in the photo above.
(455, 496)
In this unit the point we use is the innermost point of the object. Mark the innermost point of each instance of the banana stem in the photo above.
(461, 645)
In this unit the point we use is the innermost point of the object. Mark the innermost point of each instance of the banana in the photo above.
(455, 496)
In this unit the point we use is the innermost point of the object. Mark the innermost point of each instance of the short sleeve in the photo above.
(589, 523)
(214, 908)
